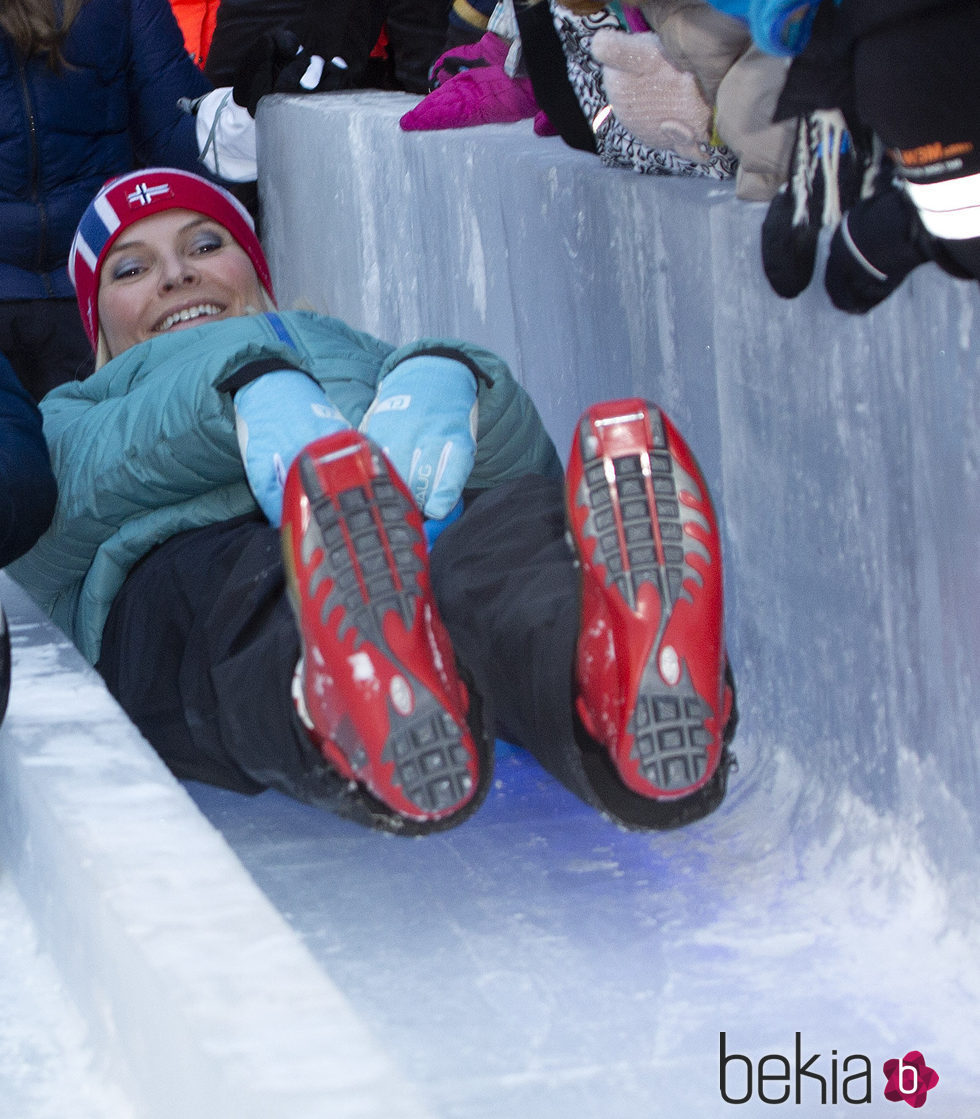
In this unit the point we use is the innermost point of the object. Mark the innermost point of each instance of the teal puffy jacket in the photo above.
(146, 447)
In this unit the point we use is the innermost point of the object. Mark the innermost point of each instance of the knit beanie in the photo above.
(127, 199)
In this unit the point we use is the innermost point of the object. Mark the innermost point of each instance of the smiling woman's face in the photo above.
(171, 271)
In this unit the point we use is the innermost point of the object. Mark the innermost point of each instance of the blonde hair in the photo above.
(102, 354)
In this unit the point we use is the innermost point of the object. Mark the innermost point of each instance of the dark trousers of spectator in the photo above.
(44, 341)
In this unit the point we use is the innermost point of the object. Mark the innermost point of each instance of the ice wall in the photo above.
(199, 1001)
(843, 452)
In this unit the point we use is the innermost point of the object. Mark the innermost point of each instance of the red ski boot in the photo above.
(377, 683)
(650, 660)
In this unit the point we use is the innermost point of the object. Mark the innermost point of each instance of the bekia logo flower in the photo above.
(909, 1079)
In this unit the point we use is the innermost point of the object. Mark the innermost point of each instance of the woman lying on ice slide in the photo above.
(244, 546)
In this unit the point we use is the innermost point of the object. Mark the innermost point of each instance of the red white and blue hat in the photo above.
(127, 199)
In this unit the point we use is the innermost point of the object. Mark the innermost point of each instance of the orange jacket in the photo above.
(196, 19)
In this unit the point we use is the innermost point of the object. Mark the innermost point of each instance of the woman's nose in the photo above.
(176, 273)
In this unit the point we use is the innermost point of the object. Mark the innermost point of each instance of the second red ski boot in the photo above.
(377, 682)
(650, 659)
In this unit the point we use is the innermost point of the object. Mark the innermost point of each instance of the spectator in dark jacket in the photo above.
(903, 76)
(27, 487)
(88, 89)
(27, 490)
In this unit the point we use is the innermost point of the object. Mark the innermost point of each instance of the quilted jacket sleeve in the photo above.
(160, 72)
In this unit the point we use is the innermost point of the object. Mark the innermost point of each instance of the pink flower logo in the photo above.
(909, 1079)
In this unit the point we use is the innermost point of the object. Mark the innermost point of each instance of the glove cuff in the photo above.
(252, 370)
(453, 355)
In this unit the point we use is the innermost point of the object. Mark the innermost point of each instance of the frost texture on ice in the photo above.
(48, 1067)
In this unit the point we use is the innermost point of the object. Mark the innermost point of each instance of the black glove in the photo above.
(278, 63)
(261, 66)
(877, 244)
(809, 199)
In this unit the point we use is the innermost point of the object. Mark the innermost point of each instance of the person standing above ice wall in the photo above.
(902, 73)
(88, 90)
(239, 547)
(706, 48)
(267, 46)
(27, 489)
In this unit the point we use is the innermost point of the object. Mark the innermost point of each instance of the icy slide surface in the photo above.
(539, 962)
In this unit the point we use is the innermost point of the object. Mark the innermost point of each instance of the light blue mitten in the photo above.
(276, 416)
(424, 417)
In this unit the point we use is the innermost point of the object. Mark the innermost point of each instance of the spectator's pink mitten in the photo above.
(543, 125)
(491, 50)
(483, 95)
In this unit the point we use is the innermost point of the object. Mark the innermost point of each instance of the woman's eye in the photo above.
(207, 244)
(125, 269)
